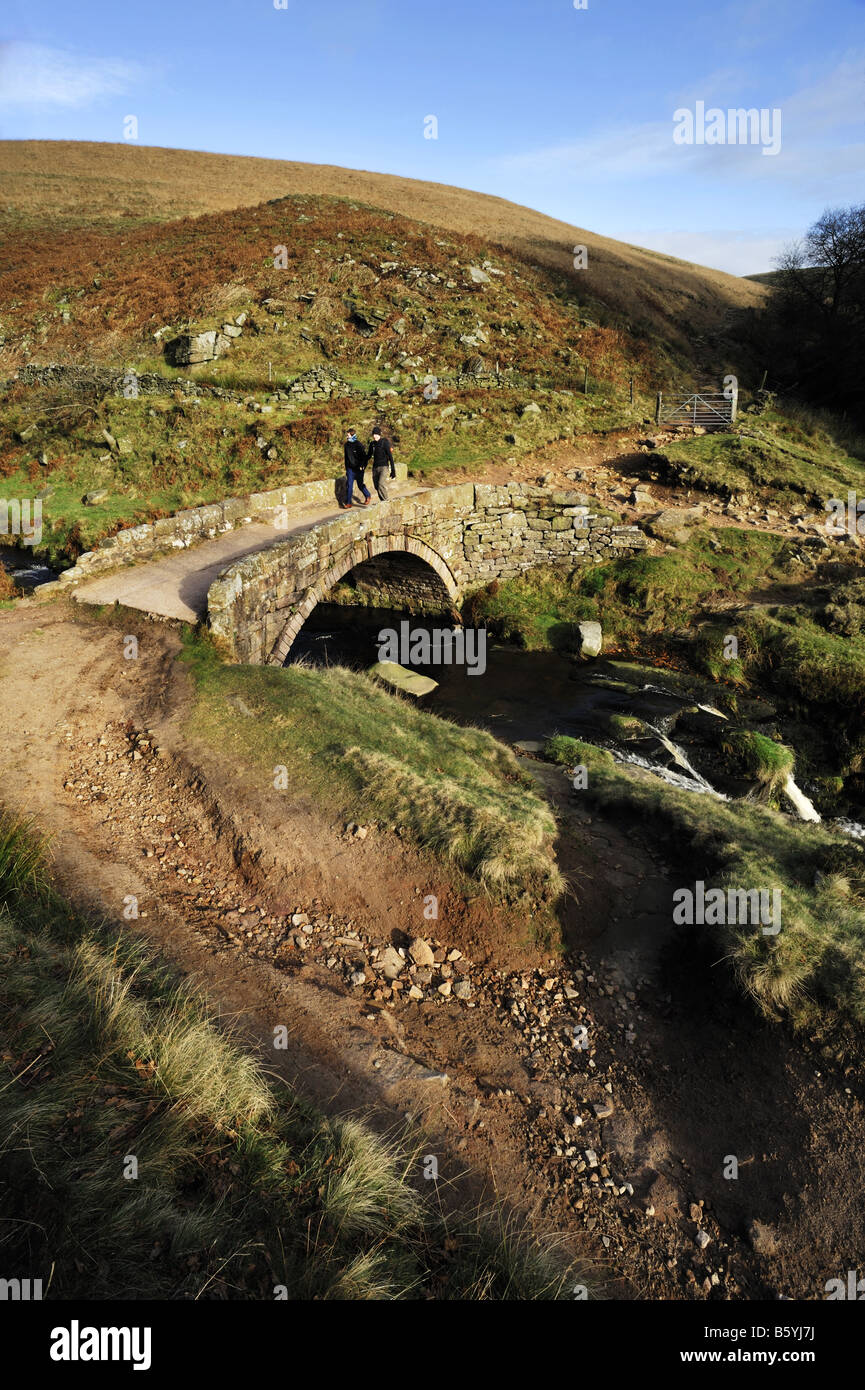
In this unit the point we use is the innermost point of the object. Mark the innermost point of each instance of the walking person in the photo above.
(381, 453)
(355, 462)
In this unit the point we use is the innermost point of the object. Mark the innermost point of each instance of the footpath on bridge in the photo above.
(175, 585)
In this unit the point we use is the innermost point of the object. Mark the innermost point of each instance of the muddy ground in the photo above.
(602, 1091)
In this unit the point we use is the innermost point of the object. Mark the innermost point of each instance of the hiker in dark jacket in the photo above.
(355, 462)
(381, 453)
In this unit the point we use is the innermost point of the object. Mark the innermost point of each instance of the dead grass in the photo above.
(120, 183)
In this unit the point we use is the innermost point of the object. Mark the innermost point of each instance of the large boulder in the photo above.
(189, 348)
(591, 639)
(672, 524)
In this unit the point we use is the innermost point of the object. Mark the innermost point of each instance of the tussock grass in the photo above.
(242, 1189)
(22, 857)
(369, 754)
(812, 972)
(770, 762)
(798, 658)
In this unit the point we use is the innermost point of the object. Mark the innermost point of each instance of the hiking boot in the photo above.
(365, 502)
(346, 506)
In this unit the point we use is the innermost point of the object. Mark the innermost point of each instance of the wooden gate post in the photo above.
(658, 408)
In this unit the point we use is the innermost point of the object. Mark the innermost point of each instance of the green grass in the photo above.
(639, 600)
(368, 754)
(789, 456)
(242, 1189)
(758, 756)
(812, 972)
(793, 654)
(573, 752)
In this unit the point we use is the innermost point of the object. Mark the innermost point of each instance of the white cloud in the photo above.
(813, 149)
(33, 75)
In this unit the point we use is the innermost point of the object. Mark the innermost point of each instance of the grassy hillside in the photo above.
(812, 971)
(71, 182)
(383, 299)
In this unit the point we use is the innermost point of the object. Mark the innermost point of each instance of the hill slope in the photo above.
(73, 182)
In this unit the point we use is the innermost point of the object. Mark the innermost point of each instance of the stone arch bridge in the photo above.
(424, 553)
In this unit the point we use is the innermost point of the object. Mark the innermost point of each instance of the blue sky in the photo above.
(569, 111)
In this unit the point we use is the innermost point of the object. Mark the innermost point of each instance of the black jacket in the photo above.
(355, 456)
(381, 454)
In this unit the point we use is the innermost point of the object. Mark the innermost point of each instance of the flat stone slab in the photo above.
(410, 682)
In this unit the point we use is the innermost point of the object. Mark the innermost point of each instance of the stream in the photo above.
(526, 697)
(25, 571)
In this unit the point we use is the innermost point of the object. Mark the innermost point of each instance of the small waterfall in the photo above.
(682, 760)
(676, 779)
(803, 805)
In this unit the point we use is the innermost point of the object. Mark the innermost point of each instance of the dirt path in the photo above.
(677, 1074)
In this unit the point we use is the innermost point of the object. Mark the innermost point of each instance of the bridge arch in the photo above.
(466, 534)
(360, 553)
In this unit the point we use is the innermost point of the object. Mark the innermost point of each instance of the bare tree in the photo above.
(826, 269)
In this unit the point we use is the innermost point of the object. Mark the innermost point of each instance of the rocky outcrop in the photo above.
(188, 349)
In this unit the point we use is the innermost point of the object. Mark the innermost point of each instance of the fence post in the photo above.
(586, 382)
(734, 404)
(658, 408)
(631, 389)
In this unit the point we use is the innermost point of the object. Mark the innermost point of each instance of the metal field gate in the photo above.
(713, 410)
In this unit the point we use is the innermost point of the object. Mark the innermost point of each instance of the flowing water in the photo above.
(24, 570)
(526, 697)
